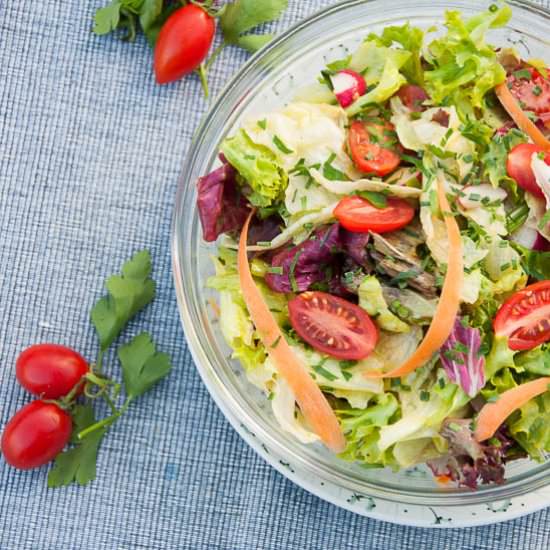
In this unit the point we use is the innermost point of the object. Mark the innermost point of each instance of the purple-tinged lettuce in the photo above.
(462, 360)
(468, 461)
(296, 268)
(222, 208)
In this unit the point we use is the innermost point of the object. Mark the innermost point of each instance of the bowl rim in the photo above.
(217, 389)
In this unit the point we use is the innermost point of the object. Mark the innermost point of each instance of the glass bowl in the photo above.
(269, 80)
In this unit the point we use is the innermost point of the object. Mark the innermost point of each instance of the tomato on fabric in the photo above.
(333, 325)
(525, 317)
(531, 89)
(358, 215)
(518, 166)
(374, 147)
(35, 435)
(412, 97)
(183, 43)
(50, 370)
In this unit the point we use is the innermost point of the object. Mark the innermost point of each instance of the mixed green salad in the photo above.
(383, 261)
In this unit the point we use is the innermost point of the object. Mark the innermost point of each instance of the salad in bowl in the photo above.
(383, 252)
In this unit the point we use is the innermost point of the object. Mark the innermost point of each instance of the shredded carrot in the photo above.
(519, 117)
(310, 398)
(492, 415)
(449, 301)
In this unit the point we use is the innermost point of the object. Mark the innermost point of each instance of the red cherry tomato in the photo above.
(333, 325)
(518, 166)
(533, 93)
(183, 43)
(35, 435)
(359, 215)
(373, 146)
(49, 370)
(525, 317)
(413, 96)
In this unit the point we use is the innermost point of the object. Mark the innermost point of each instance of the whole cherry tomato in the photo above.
(183, 43)
(35, 435)
(50, 370)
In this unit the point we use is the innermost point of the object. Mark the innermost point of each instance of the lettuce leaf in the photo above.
(389, 81)
(372, 300)
(425, 403)
(362, 430)
(529, 425)
(411, 39)
(371, 59)
(463, 60)
(235, 323)
(258, 167)
(461, 358)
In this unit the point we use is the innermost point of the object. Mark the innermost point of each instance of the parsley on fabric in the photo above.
(128, 294)
(141, 365)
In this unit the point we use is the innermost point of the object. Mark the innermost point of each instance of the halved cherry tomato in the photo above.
(183, 43)
(518, 166)
(359, 215)
(50, 370)
(525, 317)
(373, 147)
(533, 93)
(35, 435)
(333, 325)
(413, 96)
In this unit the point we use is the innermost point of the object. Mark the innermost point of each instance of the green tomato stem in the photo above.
(204, 81)
(215, 54)
(106, 422)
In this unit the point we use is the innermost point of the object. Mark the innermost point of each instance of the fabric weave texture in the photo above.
(90, 151)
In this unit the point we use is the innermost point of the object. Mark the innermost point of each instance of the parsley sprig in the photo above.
(142, 366)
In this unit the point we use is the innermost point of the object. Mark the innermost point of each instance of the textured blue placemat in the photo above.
(90, 150)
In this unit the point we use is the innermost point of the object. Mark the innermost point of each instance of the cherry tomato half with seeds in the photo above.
(50, 370)
(35, 435)
(360, 216)
(518, 166)
(183, 43)
(413, 97)
(525, 317)
(374, 147)
(333, 325)
(532, 90)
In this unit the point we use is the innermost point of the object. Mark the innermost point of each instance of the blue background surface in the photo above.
(90, 150)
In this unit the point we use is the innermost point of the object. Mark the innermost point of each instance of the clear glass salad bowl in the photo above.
(268, 80)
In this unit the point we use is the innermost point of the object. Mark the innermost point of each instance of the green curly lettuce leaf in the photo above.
(258, 166)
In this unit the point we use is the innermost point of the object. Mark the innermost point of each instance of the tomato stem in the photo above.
(215, 54)
(106, 422)
(204, 81)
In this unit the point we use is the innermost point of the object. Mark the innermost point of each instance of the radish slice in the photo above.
(347, 86)
(530, 238)
(475, 196)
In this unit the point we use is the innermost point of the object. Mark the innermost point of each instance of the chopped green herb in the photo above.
(291, 275)
(424, 395)
(378, 200)
(522, 74)
(331, 173)
(275, 269)
(262, 124)
(281, 146)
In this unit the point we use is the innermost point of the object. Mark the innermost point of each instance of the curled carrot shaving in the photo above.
(492, 415)
(449, 301)
(519, 117)
(310, 398)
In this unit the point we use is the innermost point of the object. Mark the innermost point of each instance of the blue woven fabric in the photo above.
(90, 150)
